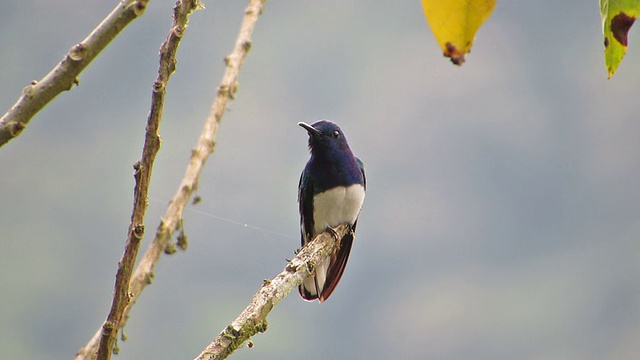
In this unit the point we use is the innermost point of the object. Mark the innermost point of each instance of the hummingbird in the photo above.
(330, 193)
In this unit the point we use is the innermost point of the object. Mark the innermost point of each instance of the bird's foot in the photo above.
(333, 233)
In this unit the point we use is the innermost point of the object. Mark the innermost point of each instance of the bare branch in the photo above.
(143, 273)
(38, 94)
(143, 169)
(253, 318)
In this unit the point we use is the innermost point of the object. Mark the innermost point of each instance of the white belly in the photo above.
(340, 205)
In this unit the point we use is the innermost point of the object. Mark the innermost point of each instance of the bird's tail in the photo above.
(328, 273)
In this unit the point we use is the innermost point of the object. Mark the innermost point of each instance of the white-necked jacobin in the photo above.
(330, 193)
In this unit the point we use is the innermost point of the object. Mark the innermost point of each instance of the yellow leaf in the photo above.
(455, 22)
(617, 18)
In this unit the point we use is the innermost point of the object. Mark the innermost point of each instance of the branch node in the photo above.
(170, 249)
(291, 268)
(158, 86)
(15, 128)
(136, 167)
(186, 188)
(230, 332)
(78, 52)
(162, 230)
(138, 7)
(149, 278)
(262, 326)
(223, 90)
(27, 90)
(182, 242)
(108, 327)
(177, 31)
(138, 231)
(233, 89)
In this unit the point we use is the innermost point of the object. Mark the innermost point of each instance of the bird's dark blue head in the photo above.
(326, 138)
(332, 163)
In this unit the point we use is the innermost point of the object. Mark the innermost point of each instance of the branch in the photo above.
(39, 93)
(171, 221)
(253, 318)
(143, 169)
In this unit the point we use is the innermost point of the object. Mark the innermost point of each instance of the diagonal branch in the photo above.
(143, 273)
(38, 94)
(143, 169)
(253, 318)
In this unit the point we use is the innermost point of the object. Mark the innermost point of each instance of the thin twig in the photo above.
(143, 273)
(253, 318)
(143, 169)
(62, 77)
(173, 215)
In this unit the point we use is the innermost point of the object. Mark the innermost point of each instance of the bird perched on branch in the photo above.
(330, 193)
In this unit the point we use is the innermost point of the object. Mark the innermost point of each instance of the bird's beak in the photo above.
(310, 129)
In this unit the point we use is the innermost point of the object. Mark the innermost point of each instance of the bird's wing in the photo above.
(305, 203)
(364, 178)
(308, 288)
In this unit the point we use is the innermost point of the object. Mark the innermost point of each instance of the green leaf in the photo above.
(617, 18)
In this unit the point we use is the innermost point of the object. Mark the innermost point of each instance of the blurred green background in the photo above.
(502, 212)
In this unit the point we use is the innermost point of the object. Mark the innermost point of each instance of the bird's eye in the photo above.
(336, 134)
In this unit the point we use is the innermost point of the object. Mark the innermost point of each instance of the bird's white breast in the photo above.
(340, 205)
